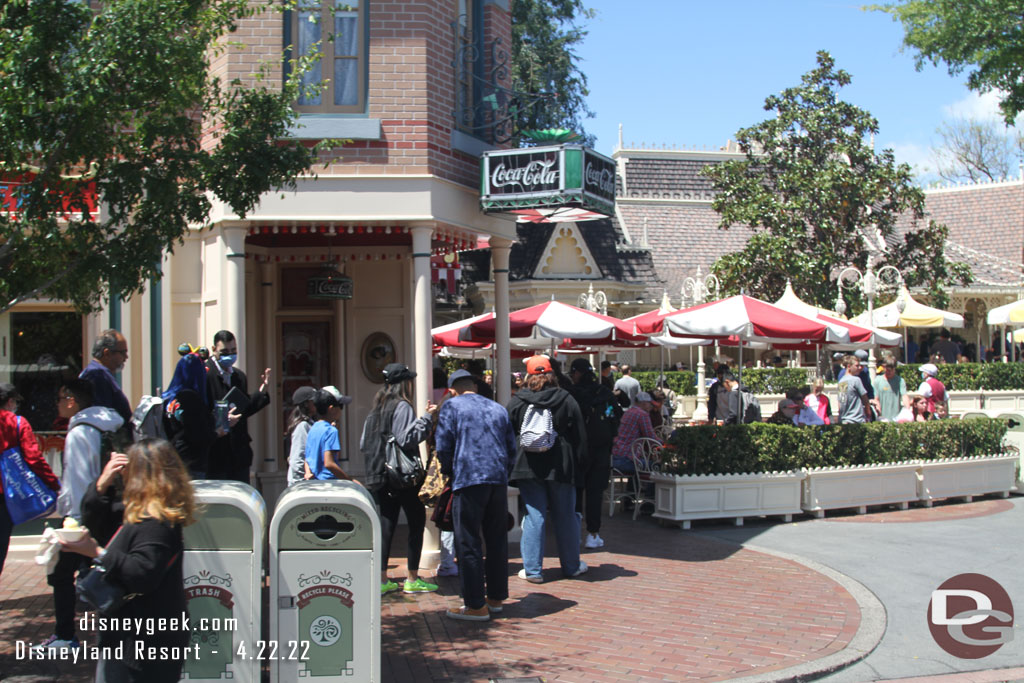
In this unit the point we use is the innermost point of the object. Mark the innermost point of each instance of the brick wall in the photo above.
(410, 85)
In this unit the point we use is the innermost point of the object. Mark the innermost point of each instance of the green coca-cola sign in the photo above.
(555, 176)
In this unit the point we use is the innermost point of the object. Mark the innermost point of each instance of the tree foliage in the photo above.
(545, 34)
(114, 101)
(974, 150)
(820, 199)
(983, 37)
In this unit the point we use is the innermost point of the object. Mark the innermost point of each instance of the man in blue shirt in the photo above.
(323, 447)
(477, 448)
(109, 353)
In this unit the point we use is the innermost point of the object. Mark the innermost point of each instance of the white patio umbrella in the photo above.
(915, 314)
(1010, 314)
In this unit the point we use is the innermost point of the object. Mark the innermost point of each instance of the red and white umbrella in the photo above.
(448, 335)
(746, 318)
(555, 320)
(560, 214)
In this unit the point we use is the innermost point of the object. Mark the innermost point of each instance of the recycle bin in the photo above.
(325, 583)
(223, 568)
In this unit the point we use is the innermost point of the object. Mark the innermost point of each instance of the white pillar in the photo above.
(421, 351)
(500, 247)
(421, 306)
(233, 289)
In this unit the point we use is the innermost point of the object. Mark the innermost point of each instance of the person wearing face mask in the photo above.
(231, 455)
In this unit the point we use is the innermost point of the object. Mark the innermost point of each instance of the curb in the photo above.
(873, 623)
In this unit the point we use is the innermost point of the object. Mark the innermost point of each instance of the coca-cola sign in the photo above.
(599, 175)
(525, 173)
(514, 182)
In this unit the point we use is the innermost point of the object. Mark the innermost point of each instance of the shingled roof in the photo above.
(665, 188)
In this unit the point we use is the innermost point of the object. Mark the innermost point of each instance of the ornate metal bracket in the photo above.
(484, 107)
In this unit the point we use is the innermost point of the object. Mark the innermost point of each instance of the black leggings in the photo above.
(390, 503)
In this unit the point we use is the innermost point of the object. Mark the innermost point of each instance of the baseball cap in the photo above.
(861, 354)
(457, 375)
(642, 397)
(340, 399)
(930, 369)
(537, 365)
(397, 372)
(303, 394)
(787, 403)
(581, 365)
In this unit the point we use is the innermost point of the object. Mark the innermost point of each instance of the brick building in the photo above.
(407, 86)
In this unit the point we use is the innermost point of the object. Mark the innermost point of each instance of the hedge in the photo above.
(763, 447)
(958, 377)
(683, 383)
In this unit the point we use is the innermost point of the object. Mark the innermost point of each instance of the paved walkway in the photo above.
(657, 604)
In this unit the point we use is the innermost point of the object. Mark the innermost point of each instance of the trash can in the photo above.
(325, 583)
(223, 567)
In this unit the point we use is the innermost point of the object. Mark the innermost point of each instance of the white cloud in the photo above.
(920, 158)
(983, 107)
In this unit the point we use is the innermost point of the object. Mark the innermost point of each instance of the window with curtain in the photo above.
(337, 30)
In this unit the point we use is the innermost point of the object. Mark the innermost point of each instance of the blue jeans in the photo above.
(624, 464)
(556, 501)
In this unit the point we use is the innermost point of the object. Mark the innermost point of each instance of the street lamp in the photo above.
(869, 283)
(695, 290)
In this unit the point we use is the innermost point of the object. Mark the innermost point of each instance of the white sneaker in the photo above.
(593, 541)
(582, 570)
(531, 579)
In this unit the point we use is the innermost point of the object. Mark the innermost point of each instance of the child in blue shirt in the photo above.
(323, 447)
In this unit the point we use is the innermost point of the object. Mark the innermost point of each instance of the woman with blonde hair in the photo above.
(145, 558)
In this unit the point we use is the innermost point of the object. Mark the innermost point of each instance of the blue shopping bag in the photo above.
(26, 495)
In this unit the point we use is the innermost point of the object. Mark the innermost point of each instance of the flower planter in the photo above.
(834, 488)
(967, 477)
(715, 496)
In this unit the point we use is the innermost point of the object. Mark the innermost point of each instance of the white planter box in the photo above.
(685, 498)
(1004, 400)
(963, 401)
(833, 488)
(967, 477)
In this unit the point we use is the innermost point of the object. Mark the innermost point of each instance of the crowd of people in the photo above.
(556, 441)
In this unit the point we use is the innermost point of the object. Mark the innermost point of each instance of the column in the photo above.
(233, 289)
(421, 306)
(422, 360)
(500, 247)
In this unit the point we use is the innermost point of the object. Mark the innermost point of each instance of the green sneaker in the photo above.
(388, 587)
(419, 586)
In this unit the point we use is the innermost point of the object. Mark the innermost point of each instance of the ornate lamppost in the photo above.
(870, 283)
(595, 302)
(695, 290)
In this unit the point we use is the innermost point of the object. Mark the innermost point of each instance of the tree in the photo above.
(544, 36)
(974, 150)
(821, 199)
(108, 107)
(987, 35)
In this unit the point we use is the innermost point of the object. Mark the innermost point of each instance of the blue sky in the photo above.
(689, 72)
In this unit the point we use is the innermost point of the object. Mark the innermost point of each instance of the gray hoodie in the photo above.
(82, 456)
